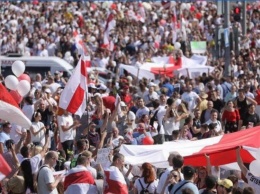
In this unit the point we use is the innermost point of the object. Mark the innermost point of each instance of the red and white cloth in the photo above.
(110, 25)
(82, 49)
(221, 150)
(79, 180)
(73, 97)
(4, 168)
(10, 111)
(114, 181)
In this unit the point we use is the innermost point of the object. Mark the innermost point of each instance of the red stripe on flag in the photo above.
(83, 68)
(4, 167)
(6, 97)
(224, 151)
(114, 186)
(76, 100)
(77, 178)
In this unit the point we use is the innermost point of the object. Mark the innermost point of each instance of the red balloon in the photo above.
(24, 77)
(148, 140)
(16, 96)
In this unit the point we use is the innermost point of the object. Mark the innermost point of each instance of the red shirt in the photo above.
(230, 116)
(257, 98)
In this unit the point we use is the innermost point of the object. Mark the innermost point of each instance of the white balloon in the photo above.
(183, 6)
(23, 87)
(11, 82)
(53, 87)
(254, 168)
(173, 3)
(188, 6)
(177, 45)
(18, 68)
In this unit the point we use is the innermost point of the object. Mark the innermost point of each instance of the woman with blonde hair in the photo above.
(147, 182)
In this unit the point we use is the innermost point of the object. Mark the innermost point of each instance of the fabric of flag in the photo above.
(221, 150)
(80, 45)
(114, 181)
(79, 180)
(110, 24)
(4, 168)
(10, 111)
(73, 97)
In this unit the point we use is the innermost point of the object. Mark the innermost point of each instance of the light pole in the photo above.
(227, 47)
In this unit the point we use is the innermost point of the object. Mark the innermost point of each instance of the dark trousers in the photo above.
(158, 139)
(67, 146)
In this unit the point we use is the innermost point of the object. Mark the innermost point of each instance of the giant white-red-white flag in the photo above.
(73, 97)
(10, 111)
(114, 181)
(221, 149)
(4, 168)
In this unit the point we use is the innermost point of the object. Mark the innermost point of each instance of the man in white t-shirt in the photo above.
(253, 180)
(46, 182)
(214, 119)
(67, 129)
(143, 110)
(4, 136)
(191, 98)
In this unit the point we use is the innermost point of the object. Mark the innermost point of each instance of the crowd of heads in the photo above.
(126, 109)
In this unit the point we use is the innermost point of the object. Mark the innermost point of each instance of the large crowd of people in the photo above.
(125, 109)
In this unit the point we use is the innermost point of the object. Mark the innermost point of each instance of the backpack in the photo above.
(74, 162)
(144, 190)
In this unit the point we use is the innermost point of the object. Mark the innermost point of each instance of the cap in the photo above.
(47, 90)
(56, 73)
(225, 183)
(91, 85)
(97, 94)
(188, 171)
(203, 95)
(122, 103)
(37, 85)
(102, 87)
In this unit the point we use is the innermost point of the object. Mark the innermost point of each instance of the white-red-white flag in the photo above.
(79, 180)
(110, 25)
(73, 97)
(4, 168)
(114, 181)
(10, 111)
(80, 45)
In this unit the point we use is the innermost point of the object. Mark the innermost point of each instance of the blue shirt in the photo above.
(170, 89)
(180, 186)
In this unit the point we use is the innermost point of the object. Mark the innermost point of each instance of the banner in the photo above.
(198, 47)
(102, 157)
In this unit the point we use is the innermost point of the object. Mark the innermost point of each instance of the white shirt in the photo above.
(152, 187)
(28, 110)
(163, 179)
(115, 141)
(149, 97)
(142, 111)
(218, 127)
(45, 177)
(66, 121)
(191, 99)
(15, 132)
(40, 137)
(253, 181)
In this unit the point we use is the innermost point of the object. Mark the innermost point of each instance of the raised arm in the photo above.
(240, 162)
